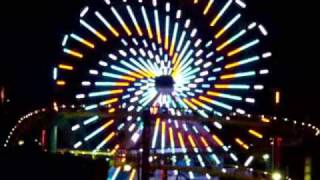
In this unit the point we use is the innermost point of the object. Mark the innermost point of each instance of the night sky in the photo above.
(31, 33)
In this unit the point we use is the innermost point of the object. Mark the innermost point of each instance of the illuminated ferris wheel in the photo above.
(198, 57)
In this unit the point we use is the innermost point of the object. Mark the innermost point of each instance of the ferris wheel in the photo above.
(186, 58)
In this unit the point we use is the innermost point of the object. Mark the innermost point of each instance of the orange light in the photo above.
(205, 143)
(255, 133)
(265, 120)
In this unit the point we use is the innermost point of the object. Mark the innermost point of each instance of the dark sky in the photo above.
(31, 33)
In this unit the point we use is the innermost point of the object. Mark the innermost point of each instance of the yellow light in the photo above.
(61, 83)
(277, 97)
(232, 65)
(276, 176)
(122, 84)
(220, 33)
(115, 149)
(166, 42)
(242, 144)
(255, 133)
(189, 103)
(146, 73)
(74, 53)
(171, 136)
(110, 101)
(198, 102)
(112, 110)
(127, 29)
(174, 58)
(109, 137)
(177, 62)
(109, 123)
(205, 99)
(163, 128)
(217, 140)
(265, 120)
(65, 67)
(206, 10)
(118, 91)
(157, 27)
(195, 1)
(132, 174)
(123, 160)
(236, 51)
(222, 86)
(135, 75)
(128, 78)
(114, 32)
(191, 141)
(172, 47)
(149, 32)
(87, 43)
(223, 45)
(215, 20)
(181, 140)
(212, 93)
(100, 36)
(228, 76)
(139, 29)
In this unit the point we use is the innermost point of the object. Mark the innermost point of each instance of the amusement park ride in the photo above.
(163, 89)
